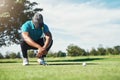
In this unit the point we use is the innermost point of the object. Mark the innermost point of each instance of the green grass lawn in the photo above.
(69, 68)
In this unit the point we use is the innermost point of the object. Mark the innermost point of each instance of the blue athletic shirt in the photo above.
(34, 33)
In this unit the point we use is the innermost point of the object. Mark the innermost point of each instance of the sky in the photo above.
(85, 23)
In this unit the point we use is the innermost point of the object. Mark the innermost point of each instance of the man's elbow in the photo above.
(49, 38)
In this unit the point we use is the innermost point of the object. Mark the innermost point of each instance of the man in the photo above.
(36, 35)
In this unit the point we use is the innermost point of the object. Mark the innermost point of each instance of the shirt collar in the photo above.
(33, 27)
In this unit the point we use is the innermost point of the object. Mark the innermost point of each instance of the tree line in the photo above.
(72, 50)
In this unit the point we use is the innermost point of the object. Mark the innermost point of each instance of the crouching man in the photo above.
(36, 35)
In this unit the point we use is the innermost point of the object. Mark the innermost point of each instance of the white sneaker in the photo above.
(25, 61)
(41, 61)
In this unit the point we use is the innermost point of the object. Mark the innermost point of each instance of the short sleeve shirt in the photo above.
(34, 33)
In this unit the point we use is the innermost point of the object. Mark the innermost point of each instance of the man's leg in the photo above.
(24, 48)
(41, 42)
(41, 59)
(50, 45)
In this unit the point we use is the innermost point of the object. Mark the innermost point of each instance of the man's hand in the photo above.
(41, 51)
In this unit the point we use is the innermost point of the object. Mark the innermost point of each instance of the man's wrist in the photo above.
(39, 46)
(45, 47)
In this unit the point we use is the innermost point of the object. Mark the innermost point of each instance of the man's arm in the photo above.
(30, 42)
(48, 40)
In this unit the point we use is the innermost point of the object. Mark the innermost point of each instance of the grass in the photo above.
(69, 68)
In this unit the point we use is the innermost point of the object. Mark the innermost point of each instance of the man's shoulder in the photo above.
(28, 22)
(45, 25)
(26, 25)
(46, 29)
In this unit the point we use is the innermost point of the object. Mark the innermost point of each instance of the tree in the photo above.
(1, 56)
(51, 54)
(18, 55)
(93, 52)
(117, 50)
(31, 53)
(109, 51)
(13, 13)
(61, 54)
(12, 55)
(7, 55)
(101, 51)
(74, 50)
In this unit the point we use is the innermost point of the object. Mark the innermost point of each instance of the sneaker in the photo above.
(41, 61)
(25, 62)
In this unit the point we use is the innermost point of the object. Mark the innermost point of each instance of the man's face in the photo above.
(38, 19)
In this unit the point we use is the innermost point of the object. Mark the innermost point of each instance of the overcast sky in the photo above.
(86, 23)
